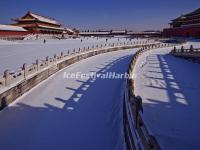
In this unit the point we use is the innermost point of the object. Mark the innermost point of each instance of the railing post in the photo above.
(38, 65)
(55, 58)
(47, 60)
(182, 49)
(7, 77)
(25, 69)
(74, 51)
(174, 49)
(62, 55)
(138, 107)
(191, 48)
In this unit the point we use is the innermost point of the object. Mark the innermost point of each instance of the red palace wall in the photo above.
(14, 33)
(191, 31)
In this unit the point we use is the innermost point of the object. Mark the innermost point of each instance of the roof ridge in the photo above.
(42, 16)
(192, 12)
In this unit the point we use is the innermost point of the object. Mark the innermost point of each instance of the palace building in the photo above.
(32, 23)
(40, 24)
(12, 30)
(187, 25)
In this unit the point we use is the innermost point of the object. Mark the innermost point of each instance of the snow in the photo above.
(11, 28)
(92, 33)
(169, 87)
(13, 56)
(69, 30)
(74, 114)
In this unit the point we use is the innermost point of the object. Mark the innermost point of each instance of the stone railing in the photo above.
(15, 84)
(190, 53)
(12, 38)
(137, 134)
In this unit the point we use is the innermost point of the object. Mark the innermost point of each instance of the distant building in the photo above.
(32, 23)
(126, 33)
(40, 24)
(145, 34)
(187, 25)
(104, 33)
(118, 32)
(10, 30)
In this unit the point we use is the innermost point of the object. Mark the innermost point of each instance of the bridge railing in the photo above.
(188, 53)
(12, 38)
(28, 70)
(14, 84)
(185, 50)
(137, 134)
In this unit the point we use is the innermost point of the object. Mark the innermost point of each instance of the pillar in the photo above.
(191, 48)
(38, 65)
(47, 60)
(7, 77)
(62, 55)
(55, 58)
(182, 49)
(25, 69)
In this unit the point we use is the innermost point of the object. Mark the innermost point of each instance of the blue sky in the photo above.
(102, 14)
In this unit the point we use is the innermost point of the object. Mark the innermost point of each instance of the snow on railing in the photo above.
(30, 37)
(12, 38)
(16, 76)
(12, 78)
(188, 53)
(137, 134)
(186, 50)
(2, 82)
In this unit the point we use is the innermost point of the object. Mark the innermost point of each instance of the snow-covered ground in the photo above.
(74, 114)
(86, 113)
(14, 54)
(170, 88)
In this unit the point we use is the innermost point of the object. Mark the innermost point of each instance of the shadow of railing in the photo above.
(172, 117)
